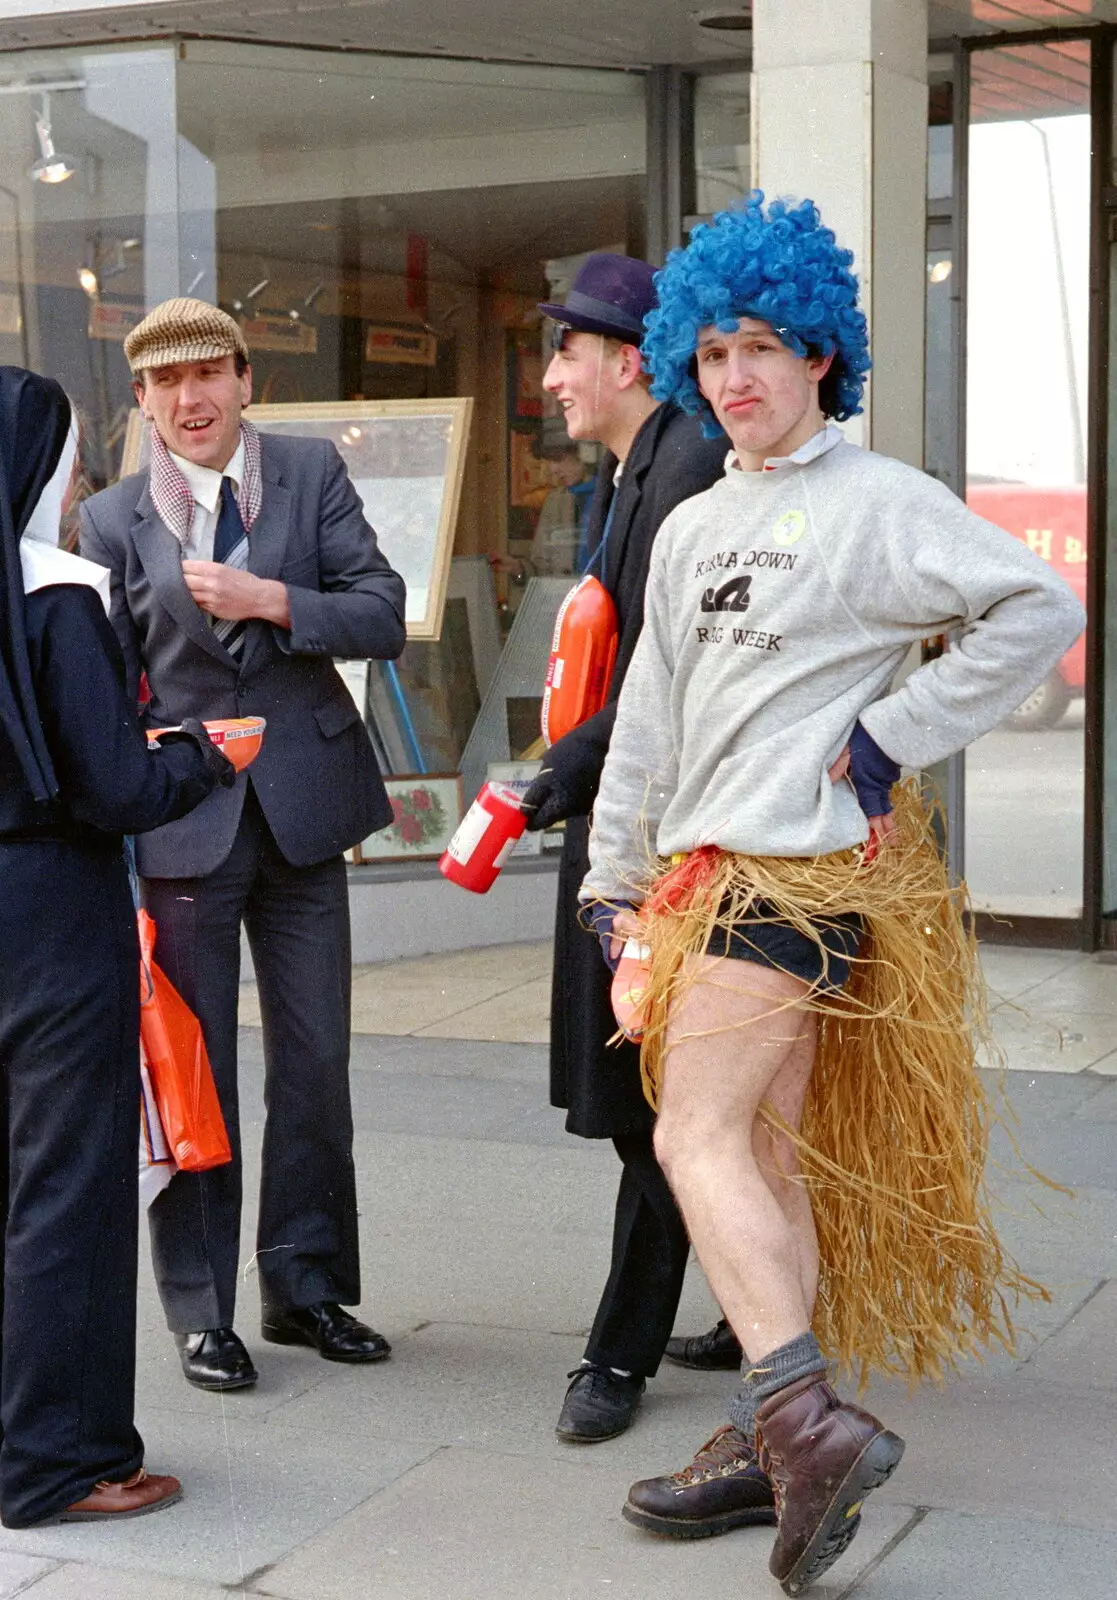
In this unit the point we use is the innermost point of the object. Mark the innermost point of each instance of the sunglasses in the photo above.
(556, 335)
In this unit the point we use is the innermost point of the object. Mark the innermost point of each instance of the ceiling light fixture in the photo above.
(726, 19)
(256, 290)
(52, 166)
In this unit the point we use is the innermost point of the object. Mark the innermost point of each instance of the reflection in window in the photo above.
(721, 141)
(383, 228)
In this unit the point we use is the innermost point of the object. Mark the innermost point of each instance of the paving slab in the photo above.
(473, 1108)
(451, 1058)
(475, 1231)
(475, 1525)
(83, 1581)
(1080, 1354)
(18, 1573)
(1033, 1041)
(1011, 970)
(1009, 1447)
(254, 1490)
(955, 1557)
(522, 1013)
(1085, 985)
(501, 1389)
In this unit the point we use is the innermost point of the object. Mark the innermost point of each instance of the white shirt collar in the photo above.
(204, 483)
(817, 445)
(44, 566)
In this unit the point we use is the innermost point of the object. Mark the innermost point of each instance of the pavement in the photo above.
(485, 1239)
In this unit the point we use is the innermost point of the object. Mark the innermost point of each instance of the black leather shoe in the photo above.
(335, 1334)
(215, 1358)
(599, 1404)
(724, 1487)
(716, 1351)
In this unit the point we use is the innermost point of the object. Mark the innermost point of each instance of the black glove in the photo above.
(567, 784)
(871, 772)
(218, 765)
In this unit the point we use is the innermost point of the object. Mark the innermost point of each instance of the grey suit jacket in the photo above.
(316, 776)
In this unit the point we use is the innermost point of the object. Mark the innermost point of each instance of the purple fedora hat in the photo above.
(610, 295)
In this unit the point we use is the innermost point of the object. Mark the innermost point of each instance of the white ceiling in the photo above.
(614, 33)
(621, 33)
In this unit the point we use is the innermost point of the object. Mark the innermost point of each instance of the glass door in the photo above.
(1027, 309)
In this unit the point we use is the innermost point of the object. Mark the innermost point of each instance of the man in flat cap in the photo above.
(241, 565)
(654, 458)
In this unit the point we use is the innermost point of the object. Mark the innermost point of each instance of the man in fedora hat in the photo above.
(241, 565)
(654, 458)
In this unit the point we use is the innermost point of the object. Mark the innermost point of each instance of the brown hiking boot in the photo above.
(724, 1487)
(823, 1458)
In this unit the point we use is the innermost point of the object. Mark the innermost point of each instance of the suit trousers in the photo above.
(650, 1250)
(297, 922)
(69, 1141)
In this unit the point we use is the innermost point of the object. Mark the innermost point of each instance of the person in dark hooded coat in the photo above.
(655, 457)
(76, 775)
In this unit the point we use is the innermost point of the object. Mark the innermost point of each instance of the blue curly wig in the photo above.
(780, 266)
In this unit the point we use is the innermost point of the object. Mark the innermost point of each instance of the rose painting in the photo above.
(426, 809)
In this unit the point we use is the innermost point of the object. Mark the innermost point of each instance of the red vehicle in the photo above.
(1052, 522)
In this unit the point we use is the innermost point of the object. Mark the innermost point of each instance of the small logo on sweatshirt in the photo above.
(732, 596)
(789, 528)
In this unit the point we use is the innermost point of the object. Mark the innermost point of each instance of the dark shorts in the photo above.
(777, 944)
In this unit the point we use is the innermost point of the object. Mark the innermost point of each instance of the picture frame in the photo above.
(406, 459)
(421, 829)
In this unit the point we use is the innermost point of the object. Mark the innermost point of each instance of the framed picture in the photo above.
(426, 809)
(405, 459)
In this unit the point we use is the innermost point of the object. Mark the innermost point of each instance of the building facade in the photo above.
(382, 191)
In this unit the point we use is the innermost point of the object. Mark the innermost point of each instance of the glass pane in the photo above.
(721, 141)
(1029, 227)
(385, 227)
(88, 222)
(1109, 702)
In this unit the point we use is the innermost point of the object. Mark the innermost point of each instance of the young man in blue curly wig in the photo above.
(757, 739)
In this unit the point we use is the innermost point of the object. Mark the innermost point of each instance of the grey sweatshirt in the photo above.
(779, 605)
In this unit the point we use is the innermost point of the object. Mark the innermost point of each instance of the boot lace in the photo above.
(725, 1453)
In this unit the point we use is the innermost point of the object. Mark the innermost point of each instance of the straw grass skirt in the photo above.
(896, 1127)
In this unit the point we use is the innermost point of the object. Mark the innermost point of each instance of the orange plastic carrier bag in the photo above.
(178, 1066)
(583, 652)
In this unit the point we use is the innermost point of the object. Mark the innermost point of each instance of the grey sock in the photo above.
(799, 1358)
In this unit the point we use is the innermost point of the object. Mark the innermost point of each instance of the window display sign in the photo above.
(401, 347)
(272, 332)
(113, 320)
(405, 459)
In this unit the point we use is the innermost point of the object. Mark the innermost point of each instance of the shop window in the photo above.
(384, 228)
(721, 141)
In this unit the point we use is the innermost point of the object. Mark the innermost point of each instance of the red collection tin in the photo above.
(484, 839)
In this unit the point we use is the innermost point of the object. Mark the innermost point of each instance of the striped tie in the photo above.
(230, 546)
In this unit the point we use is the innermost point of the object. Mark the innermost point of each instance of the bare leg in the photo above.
(739, 1035)
(778, 1158)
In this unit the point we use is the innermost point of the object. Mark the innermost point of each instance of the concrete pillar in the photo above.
(839, 109)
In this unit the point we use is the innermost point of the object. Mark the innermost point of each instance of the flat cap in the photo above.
(183, 330)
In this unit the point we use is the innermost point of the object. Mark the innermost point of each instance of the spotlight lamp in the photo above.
(52, 166)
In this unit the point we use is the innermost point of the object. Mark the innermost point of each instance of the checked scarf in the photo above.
(170, 492)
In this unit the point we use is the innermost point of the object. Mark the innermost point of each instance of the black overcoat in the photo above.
(69, 1060)
(598, 1084)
